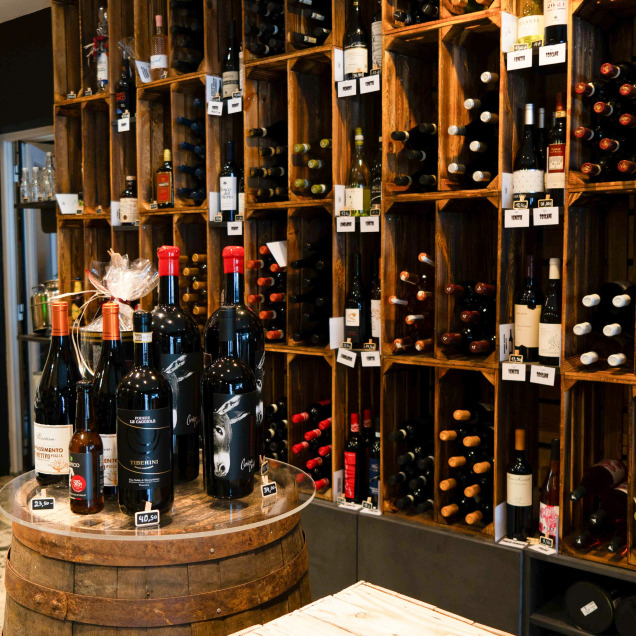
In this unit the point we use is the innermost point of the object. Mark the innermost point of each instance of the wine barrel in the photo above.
(218, 584)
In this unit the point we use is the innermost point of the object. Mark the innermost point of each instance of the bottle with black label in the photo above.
(356, 307)
(177, 353)
(230, 402)
(86, 457)
(144, 429)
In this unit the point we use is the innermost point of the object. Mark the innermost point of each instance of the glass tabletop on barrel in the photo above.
(194, 513)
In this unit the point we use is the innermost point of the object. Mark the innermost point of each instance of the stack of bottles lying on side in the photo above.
(269, 180)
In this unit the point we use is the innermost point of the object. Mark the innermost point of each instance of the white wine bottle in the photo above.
(530, 22)
(357, 190)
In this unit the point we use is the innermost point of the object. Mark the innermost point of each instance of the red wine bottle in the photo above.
(519, 492)
(357, 307)
(550, 321)
(527, 312)
(608, 473)
(354, 464)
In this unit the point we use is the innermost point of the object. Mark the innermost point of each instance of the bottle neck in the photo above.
(168, 290)
(83, 421)
(143, 354)
(234, 288)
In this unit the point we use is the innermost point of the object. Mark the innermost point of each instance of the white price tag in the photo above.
(544, 549)
(343, 503)
(115, 216)
(517, 218)
(235, 228)
(370, 358)
(369, 84)
(513, 543)
(338, 65)
(545, 216)
(542, 375)
(506, 190)
(143, 69)
(519, 59)
(69, 203)
(279, 252)
(513, 371)
(338, 199)
(347, 88)
(214, 204)
(346, 224)
(369, 224)
(552, 54)
(213, 86)
(346, 357)
(215, 108)
(234, 105)
(336, 332)
(123, 124)
(506, 341)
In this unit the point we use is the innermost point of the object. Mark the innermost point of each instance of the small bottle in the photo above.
(165, 182)
(36, 192)
(25, 194)
(158, 52)
(86, 457)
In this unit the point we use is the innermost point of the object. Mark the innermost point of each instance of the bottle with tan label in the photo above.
(519, 491)
(528, 305)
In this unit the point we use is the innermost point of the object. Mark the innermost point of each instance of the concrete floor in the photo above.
(5, 542)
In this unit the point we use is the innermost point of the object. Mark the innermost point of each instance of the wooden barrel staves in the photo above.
(206, 585)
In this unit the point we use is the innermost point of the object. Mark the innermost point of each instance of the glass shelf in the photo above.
(194, 514)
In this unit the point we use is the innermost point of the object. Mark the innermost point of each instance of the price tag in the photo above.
(367, 505)
(370, 358)
(42, 503)
(542, 375)
(513, 371)
(506, 190)
(344, 212)
(235, 228)
(143, 69)
(348, 358)
(516, 218)
(336, 332)
(343, 503)
(146, 518)
(369, 84)
(370, 224)
(374, 210)
(215, 108)
(338, 199)
(213, 86)
(345, 224)
(347, 88)
(115, 216)
(213, 206)
(519, 59)
(234, 105)
(506, 341)
(513, 543)
(552, 54)
(269, 489)
(69, 203)
(338, 65)
(123, 124)
(545, 216)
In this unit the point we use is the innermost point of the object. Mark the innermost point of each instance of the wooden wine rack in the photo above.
(428, 71)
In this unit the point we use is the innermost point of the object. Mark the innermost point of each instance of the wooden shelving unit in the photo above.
(428, 70)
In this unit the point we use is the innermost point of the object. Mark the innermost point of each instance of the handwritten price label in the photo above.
(42, 503)
(146, 518)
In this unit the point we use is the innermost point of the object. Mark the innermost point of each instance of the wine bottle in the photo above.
(111, 368)
(376, 37)
(555, 21)
(607, 473)
(177, 353)
(158, 51)
(356, 307)
(55, 403)
(549, 500)
(276, 131)
(555, 168)
(527, 314)
(164, 182)
(228, 182)
(144, 428)
(357, 191)
(230, 403)
(376, 303)
(230, 72)
(376, 178)
(356, 47)
(550, 321)
(354, 463)
(374, 469)
(125, 90)
(519, 492)
(528, 177)
(530, 23)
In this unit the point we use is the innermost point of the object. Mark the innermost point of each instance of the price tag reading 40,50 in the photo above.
(146, 518)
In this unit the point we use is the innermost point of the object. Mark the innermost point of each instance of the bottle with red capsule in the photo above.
(274, 282)
(462, 339)
(316, 412)
(627, 120)
(464, 294)
(354, 464)
(602, 170)
(618, 74)
(627, 167)
(322, 432)
(592, 91)
(609, 108)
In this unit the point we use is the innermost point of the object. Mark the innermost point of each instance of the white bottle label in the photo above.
(158, 61)
(375, 318)
(352, 317)
(109, 443)
(555, 176)
(527, 326)
(519, 490)
(530, 26)
(227, 190)
(376, 44)
(230, 83)
(128, 210)
(354, 198)
(241, 203)
(102, 69)
(50, 447)
(550, 340)
(528, 181)
(555, 12)
(356, 60)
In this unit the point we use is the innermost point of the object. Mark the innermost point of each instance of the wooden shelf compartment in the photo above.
(125, 241)
(97, 242)
(408, 229)
(70, 253)
(295, 22)
(123, 154)
(68, 149)
(88, 21)
(597, 424)
(95, 146)
(155, 230)
(407, 391)
(275, 385)
(67, 55)
(121, 26)
(410, 82)
(217, 39)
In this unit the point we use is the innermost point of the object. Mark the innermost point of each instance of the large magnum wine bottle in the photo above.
(177, 353)
(109, 373)
(519, 491)
(230, 403)
(55, 403)
(144, 428)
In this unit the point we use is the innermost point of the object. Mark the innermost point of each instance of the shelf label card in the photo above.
(235, 228)
(338, 199)
(215, 108)
(542, 375)
(369, 224)
(336, 332)
(42, 503)
(347, 88)
(143, 69)
(346, 224)
(513, 543)
(338, 65)
(513, 371)
(123, 124)
(370, 358)
(349, 505)
(234, 105)
(115, 216)
(516, 218)
(506, 341)
(519, 59)
(213, 86)
(269, 489)
(279, 252)
(346, 357)
(552, 54)
(69, 203)
(545, 216)
(213, 205)
(146, 518)
(508, 31)
(506, 190)
(544, 549)
(370, 84)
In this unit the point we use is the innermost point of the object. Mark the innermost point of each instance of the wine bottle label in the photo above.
(352, 317)
(357, 199)
(519, 490)
(144, 448)
(183, 372)
(555, 12)
(375, 318)
(356, 60)
(228, 190)
(230, 83)
(530, 27)
(527, 326)
(350, 475)
(259, 369)
(50, 447)
(376, 44)
(548, 519)
(374, 479)
(109, 442)
(86, 481)
(158, 61)
(615, 468)
(102, 69)
(528, 181)
(555, 176)
(549, 340)
(233, 432)
(128, 210)
(164, 187)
